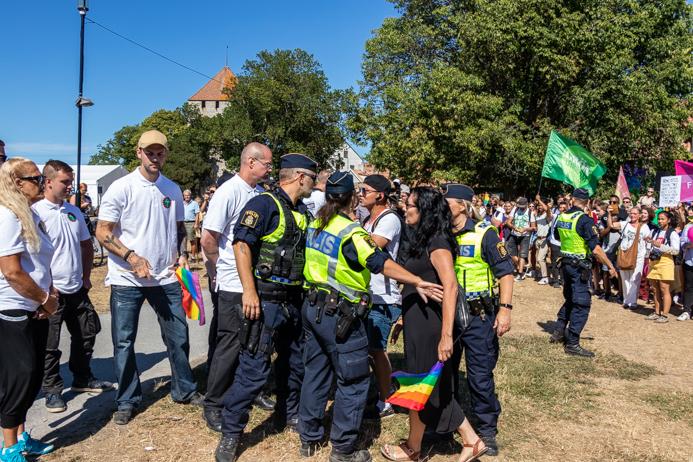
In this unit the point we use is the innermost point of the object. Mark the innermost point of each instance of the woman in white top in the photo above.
(630, 279)
(665, 244)
(26, 301)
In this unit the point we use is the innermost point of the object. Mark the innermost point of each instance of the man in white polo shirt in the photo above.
(217, 239)
(141, 225)
(71, 268)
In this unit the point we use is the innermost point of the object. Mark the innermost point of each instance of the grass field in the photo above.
(633, 402)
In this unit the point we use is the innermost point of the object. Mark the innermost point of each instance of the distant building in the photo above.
(98, 178)
(212, 98)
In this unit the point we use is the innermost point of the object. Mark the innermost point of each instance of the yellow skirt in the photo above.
(662, 269)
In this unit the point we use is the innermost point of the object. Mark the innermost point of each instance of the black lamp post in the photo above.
(81, 100)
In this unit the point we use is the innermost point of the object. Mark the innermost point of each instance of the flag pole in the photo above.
(541, 179)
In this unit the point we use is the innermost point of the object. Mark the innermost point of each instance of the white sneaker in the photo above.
(675, 299)
(544, 281)
(685, 316)
(518, 278)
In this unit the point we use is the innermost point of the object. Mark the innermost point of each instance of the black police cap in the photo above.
(581, 193)
(339, 183)
(298, 161)
(458, 191)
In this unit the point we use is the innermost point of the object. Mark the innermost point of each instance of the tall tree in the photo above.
(470, 89)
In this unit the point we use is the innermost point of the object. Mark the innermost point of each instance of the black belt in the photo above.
(278, 293)
(189, 221)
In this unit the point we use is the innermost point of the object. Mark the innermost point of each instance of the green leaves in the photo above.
(470, 89)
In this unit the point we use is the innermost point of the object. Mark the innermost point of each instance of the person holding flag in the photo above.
(579, 238)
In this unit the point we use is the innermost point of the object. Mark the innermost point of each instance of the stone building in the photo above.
(211, 99)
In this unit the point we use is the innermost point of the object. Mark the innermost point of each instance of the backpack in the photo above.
(404, 239)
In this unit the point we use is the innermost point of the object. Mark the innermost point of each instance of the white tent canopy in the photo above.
(98, 178)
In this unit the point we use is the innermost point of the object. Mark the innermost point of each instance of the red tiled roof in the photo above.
(213, 90)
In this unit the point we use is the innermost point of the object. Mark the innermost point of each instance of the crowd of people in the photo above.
(314, 275)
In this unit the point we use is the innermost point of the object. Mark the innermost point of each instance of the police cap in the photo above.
(458, 191)
(581, 193)
(339, 183)
(298, 161)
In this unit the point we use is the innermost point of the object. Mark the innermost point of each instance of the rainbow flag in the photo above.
(414, 389)
(193, 304)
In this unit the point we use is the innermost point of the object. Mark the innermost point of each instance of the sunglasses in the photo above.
(38, 179)
(312, 176)
(365, 191)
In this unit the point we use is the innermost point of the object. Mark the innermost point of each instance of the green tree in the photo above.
(470, 89)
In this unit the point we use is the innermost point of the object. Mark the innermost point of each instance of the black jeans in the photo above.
(83, 324)
(222, 367)
(554, 271)
(688, 294)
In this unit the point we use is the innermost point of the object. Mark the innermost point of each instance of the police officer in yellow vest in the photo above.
(340, 257)
(481, 261)
(269, 246)
(579, 239)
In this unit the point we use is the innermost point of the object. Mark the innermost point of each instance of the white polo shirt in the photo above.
(145, 214)
(222, 214)
(66, 227)
(35, 263)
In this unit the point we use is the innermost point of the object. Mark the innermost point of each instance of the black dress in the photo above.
(422, 326)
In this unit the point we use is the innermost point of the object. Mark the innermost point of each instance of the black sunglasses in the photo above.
(38, 179)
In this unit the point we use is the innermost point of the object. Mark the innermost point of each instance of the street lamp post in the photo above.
(81, 101)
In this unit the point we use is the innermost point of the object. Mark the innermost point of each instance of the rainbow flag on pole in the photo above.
(414, 389)
(193, 304)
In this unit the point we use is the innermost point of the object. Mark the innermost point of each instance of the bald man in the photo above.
(217, 238)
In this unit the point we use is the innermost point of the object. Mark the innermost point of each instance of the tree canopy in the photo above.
(282, 99)
(469, 90)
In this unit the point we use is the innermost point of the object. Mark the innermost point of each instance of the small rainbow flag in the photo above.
(414, 389)
(193, 304)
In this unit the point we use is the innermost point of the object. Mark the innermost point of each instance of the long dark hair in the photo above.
(333, 204)
(435, 220)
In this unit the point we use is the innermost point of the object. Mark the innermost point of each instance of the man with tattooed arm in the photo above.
(141, 224)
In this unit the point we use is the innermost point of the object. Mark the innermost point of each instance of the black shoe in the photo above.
(226, 451)
(264, 402)
(292, 425)
(197, 399)
(309, 449)
(556, 285)
(92, 386)
(122, 416)
(558, 335)
(491, 445)
(55, 403)
(360, 455)
(213, 419)
(281, 423)
(577, 350)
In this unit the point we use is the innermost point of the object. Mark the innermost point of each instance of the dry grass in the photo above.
(629, 404)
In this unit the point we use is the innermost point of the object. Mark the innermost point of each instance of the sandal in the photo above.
(409, 454)
(476, 452)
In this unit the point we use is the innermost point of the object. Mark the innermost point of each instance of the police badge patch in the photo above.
(250, 219)
(369, 240)
(501, 249)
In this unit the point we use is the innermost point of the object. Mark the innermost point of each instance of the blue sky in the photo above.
(39, 48)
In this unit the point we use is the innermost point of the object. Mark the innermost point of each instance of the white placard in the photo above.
(670, 191)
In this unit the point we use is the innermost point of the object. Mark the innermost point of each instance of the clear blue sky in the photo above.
(39, 48)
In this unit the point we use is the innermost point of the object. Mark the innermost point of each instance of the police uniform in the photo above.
(339, 262)
(275, 230)
(579, 237)
(481, 259)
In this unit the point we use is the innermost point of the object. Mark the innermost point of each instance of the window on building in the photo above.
(217, 104)
(203, 104)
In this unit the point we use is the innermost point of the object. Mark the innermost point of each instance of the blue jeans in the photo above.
(166, 301)
(381, 317)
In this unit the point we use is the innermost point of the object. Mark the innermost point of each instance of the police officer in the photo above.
(340, 257)
(481, 260)
(579, 238)
(269, 246)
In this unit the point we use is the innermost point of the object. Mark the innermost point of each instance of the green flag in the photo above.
(571, 163)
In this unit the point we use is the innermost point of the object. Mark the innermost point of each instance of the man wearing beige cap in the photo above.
(141, 225)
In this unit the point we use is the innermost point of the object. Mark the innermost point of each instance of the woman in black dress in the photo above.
(428, 326)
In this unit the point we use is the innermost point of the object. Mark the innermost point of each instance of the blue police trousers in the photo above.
(576, 308)
(283, 332)
(323, 357)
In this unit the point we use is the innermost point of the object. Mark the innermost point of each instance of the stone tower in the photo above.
(212, 99)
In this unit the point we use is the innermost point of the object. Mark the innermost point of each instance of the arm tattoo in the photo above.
(112, 241)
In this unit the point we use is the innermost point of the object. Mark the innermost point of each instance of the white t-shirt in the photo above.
(66, 227)
(543, 225)
(36, 264)
(146, 216)
(222, 214)
(315, 201)
(383, 289)
(628, 236)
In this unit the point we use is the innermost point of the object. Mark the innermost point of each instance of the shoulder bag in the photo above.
(626, 259)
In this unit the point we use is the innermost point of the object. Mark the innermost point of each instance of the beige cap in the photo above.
(151, 137)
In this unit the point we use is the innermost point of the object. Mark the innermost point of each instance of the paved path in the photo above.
(88, 413)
